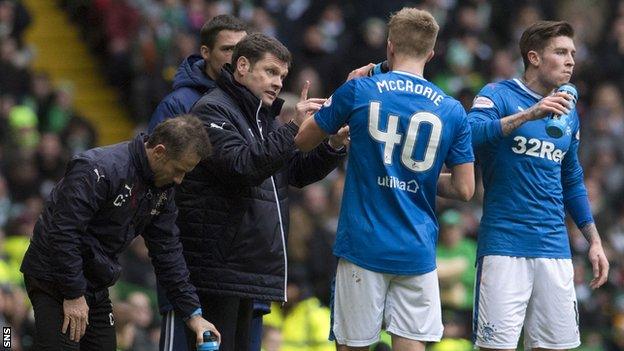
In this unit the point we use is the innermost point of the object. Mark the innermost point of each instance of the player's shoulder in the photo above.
(497, 88)
(494, 94)
(447, 102)
(452, 105)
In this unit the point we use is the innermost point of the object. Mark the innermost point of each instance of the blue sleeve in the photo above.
(461, 149)
(484, 117)
(336, 111)
(575, 197)
(163, 111)
(172, 105)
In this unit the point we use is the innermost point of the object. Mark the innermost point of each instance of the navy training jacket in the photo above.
(104, 201)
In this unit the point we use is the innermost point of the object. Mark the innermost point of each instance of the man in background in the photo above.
(196, 75)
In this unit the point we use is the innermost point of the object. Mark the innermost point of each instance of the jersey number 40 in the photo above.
(391, 137)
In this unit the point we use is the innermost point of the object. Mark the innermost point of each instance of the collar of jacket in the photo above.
(245, 99)
(139, 158)
(192, 73)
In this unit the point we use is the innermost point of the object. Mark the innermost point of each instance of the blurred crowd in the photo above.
(141, 42)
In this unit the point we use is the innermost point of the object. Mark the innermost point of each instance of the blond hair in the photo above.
(412, 31)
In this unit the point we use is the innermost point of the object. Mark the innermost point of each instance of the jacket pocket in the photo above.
(100, 270)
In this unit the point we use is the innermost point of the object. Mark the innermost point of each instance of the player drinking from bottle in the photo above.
(524, 272)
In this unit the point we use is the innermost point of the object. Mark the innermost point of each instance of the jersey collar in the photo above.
(411, 75)
(527, 90)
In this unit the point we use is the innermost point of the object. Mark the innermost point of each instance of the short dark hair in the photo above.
(536, 37)
(211, 29)
(181, 134)
(256, 45)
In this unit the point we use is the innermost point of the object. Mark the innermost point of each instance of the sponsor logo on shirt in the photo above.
(396, 183)
(537, 148)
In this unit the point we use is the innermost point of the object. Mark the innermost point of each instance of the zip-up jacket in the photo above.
(189, 84)
(234, 205)
(106, 198)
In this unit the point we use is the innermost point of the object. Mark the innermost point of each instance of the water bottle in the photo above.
(381, 67)
(210, 342)
(556, 125)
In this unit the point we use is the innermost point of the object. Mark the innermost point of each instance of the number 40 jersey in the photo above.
(403, 129)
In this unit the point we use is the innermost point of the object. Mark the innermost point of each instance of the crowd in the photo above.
(142, 42)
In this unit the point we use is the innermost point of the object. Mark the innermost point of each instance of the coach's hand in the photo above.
(360, 72)
(199, 325)
(76, 318)
(306, 107)
(340, 139)
(558, 103)
(600, 265)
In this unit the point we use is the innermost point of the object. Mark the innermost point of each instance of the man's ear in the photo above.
(534, 58)
(160, 151)
(430, 55)
(242, 65)
(204, 52)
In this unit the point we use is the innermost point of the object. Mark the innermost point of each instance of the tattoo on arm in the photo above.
(590, 232)
(511, 123)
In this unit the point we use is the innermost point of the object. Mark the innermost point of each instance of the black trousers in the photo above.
(232, 318)
(48, 307)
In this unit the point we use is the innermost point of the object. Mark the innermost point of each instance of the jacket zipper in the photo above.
(279, 211)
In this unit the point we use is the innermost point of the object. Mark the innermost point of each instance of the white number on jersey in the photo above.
(391, 137)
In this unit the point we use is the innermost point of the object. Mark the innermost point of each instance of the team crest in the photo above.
(487, 332)
(161, 200)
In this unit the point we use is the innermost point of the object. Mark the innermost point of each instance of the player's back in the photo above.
(403, 129)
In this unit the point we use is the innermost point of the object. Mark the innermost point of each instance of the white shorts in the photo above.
(365, 301)
(535, 292)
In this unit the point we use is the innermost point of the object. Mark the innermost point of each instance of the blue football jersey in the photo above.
(403, 129)
(526, 175)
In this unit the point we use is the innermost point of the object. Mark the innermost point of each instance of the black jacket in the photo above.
(234, 206)
(105, 200)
